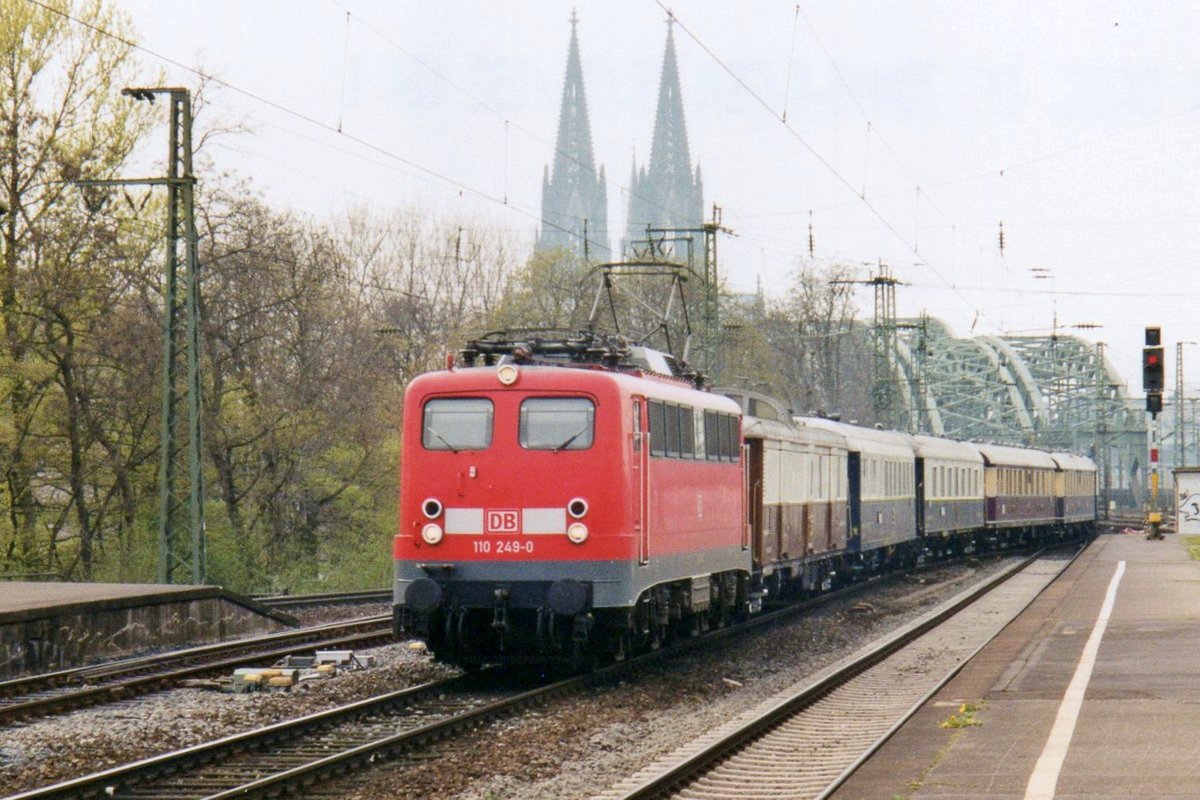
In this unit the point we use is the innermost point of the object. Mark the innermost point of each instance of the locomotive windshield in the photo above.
(457, 424)
(557, 423)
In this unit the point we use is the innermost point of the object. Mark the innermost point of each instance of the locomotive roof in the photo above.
(864, 440)
(542, 377)
(948, 449)
(999, 455)
(1074, 462)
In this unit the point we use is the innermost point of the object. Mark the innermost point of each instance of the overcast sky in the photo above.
(1073, 123)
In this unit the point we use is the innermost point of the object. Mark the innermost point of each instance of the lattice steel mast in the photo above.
(181, 545)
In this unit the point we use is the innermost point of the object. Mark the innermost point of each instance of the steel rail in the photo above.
(51, 693)
(688, 770)
(325, 598)
(109, 782)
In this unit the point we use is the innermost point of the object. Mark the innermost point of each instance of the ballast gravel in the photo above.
(582, 744)
(54, 749)
(573, 748)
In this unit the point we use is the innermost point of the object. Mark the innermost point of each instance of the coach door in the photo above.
(765, 551)
(641, 478)
(919, 495)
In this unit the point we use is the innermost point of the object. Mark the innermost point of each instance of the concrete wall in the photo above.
(47, 639)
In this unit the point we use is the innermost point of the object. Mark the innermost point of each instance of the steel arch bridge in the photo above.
(1055, 392)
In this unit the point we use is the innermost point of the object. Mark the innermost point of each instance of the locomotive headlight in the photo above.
(508, 374)
(432, 533)
(432, 508)
(577, 508)
(577, 532)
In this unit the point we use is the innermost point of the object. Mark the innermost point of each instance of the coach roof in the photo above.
(946, 449)
(865, 440)
(1074, 462)
(999, 455)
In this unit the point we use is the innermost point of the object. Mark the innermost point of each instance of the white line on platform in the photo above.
(1044, 779)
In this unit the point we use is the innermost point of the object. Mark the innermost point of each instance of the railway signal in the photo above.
(1152, 369)
(1152, 384)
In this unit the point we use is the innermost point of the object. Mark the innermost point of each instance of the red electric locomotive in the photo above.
(566, 499)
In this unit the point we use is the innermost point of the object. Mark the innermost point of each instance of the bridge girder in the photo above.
(1054, 392)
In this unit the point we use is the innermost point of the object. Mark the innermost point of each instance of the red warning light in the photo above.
(1152, 369)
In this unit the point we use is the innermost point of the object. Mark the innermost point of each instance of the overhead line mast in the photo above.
(181, 540)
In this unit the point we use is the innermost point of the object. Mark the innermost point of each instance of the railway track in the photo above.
(807, 741)
(289, 754)
(56, 692)
(1134, 520)
(325, 599)
(404, 725)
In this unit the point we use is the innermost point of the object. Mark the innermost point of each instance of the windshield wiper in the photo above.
(441, 439)
(573, 437)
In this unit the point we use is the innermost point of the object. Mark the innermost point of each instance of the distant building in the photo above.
(574, 198)
(666, 194)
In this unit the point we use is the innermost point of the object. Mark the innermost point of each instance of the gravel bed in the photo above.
(319, 615)
(306, 616)
(573, 748)
(58, 748)
(583, 744)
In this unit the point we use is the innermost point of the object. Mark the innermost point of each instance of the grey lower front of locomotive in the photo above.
(569, 589)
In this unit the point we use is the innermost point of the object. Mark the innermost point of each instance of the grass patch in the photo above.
(965, 718)
(1193, 545)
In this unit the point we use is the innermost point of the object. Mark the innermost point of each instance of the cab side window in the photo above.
(658, 429)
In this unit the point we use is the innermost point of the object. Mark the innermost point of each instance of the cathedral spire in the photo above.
(667, 194)
(574, 191)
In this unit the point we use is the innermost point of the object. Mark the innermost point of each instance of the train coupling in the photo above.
(500, 612)
(582, 627)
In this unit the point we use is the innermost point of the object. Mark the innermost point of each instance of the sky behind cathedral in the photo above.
(901, 131)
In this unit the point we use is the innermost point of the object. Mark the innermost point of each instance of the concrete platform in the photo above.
(1137, 733)
(45, 626)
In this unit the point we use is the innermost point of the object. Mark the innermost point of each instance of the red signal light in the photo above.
(1152, 369)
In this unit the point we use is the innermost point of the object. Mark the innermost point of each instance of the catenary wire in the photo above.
(453, 182)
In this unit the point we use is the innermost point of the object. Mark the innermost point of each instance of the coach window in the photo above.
(636, 420)
(723, 451)
(658, 428)
(712, 436)
(687, 432)
(459, 423)
(671, 414)
(557, 423)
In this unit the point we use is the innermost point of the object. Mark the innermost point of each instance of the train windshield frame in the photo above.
(457, 423)
(557, 423)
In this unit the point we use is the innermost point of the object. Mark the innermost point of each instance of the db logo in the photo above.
(503, 521)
